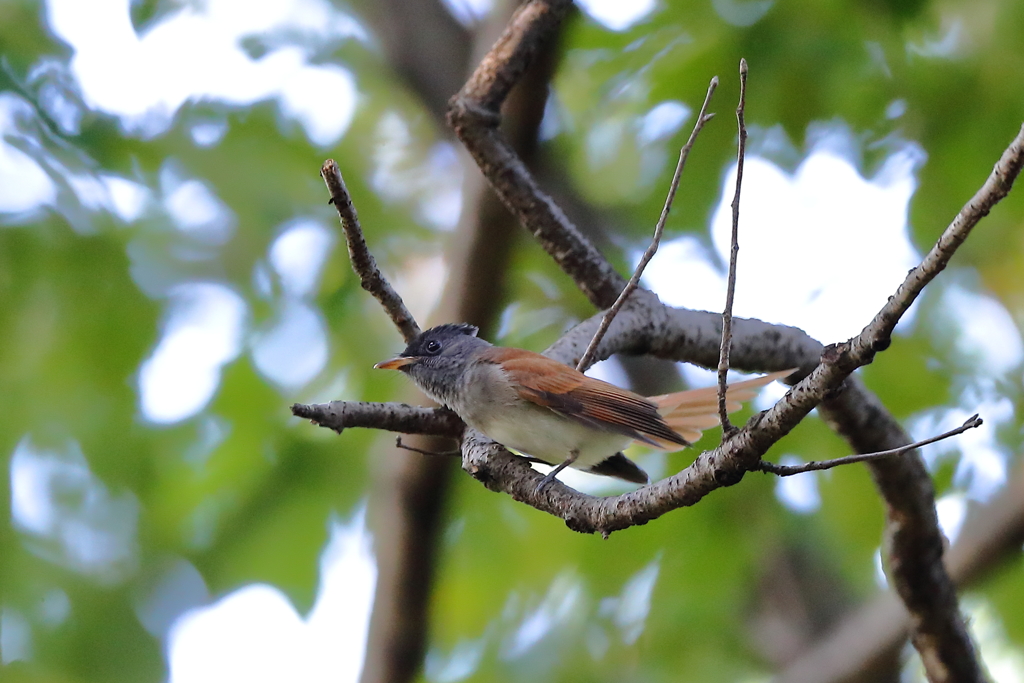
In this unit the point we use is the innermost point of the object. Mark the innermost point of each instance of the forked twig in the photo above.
(609, 316)
(723, 357)
(789, 470)
(363, 263)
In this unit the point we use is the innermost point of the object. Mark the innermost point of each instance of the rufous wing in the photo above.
(546, 382)
(690, 412)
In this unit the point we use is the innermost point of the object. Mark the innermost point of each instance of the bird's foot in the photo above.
(550, 476)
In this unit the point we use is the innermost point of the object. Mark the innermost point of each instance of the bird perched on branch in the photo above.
(551, 412)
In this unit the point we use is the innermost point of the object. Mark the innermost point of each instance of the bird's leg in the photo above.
(573, 454)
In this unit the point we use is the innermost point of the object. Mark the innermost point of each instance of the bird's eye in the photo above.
(433, 346)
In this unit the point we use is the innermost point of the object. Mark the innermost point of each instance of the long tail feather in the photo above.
(690, 412)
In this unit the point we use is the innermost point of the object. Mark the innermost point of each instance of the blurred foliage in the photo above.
(244, 493)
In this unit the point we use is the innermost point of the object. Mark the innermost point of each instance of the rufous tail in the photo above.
(690, 412)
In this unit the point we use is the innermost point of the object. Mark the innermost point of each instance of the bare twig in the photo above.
(393, 417)
(422, 451)
(363, 262)
(702, 118)
(789, 470)
(876, 336)
(723, 356)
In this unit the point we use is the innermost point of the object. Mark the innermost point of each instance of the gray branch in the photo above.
(392, 417)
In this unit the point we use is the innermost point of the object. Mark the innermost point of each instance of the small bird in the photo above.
(551, 412)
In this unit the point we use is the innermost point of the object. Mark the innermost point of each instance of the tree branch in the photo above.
(474, 113)
(876, 336)
(362, 260)
(647, 327)
(392, 417)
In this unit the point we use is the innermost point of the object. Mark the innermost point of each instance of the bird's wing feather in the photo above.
(622, 467)
(546, 382)
(666, 422)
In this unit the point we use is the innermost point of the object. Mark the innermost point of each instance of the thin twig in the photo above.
(723, 357)
(362, 260)
(423, 451)
(789, 470)
(702, 118)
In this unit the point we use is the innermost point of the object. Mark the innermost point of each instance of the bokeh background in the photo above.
(172, 279)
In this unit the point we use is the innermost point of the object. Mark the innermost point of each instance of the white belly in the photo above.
(550, 437)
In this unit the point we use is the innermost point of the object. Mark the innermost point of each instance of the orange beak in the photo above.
(395, 363)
